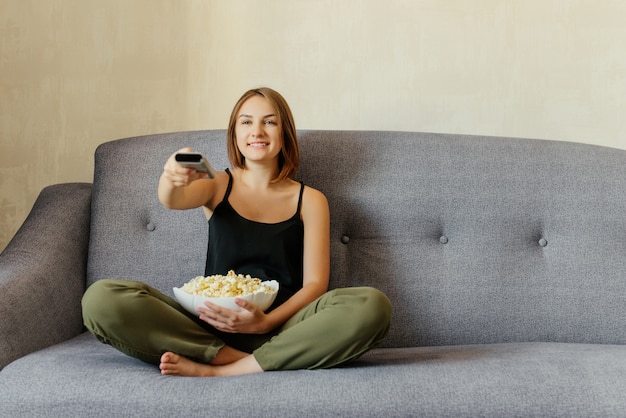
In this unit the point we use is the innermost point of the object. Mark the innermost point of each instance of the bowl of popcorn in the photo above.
(223, 290)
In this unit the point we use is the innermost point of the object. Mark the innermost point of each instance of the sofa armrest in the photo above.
(42, 273)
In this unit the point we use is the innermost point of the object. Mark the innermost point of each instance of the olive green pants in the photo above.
(144, 323)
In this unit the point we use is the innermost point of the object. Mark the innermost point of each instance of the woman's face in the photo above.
(258, 131)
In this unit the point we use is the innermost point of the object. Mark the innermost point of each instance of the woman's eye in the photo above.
(270, 122)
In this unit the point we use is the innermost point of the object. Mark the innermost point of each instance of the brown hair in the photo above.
(289, 157)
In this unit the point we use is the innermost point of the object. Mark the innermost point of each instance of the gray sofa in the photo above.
(505, 261)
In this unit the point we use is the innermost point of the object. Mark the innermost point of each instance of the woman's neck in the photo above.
(258, 176)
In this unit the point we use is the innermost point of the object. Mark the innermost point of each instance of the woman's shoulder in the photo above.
(313, 199)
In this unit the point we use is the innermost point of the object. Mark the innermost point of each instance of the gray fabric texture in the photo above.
(474, 239)
(489, 380)
(504, 259)
(42, 273)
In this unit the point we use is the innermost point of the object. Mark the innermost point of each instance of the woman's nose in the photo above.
(257, 129)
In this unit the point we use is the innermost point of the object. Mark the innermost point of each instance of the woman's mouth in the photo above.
(258, 144)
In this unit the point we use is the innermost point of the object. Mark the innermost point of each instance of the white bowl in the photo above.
(260, 299)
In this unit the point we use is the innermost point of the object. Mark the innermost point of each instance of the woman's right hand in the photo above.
(179, 187)
(179, 176)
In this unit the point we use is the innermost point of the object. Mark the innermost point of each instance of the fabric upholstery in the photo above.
(504, 259)
(42, 273)
(486, 380)
(474, 239)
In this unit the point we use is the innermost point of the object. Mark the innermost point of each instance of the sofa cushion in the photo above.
(474, 239)
(522, 379)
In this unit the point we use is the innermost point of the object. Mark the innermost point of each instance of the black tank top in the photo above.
(267, 251)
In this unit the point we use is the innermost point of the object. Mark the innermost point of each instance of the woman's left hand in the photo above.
(250, 320)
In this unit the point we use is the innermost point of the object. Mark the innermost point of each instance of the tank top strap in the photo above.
(300, 198)
(230, 185)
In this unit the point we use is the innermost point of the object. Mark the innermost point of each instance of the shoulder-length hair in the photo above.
(289, 157)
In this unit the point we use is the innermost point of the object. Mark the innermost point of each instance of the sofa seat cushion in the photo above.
(516, 379)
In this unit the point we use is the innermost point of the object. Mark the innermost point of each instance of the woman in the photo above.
(261, 223)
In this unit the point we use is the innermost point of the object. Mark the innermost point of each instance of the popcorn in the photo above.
(231, 285)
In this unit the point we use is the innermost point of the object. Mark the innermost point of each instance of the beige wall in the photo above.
(76, 73)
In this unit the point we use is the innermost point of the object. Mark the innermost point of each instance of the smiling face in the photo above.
(267, 102)
(258, 132)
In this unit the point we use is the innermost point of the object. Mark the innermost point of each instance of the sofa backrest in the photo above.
(474, 239)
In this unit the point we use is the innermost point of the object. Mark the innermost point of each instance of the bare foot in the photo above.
(176, 365)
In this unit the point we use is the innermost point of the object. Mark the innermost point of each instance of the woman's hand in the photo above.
(250, 320)
(178, 188)
(179, 176)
